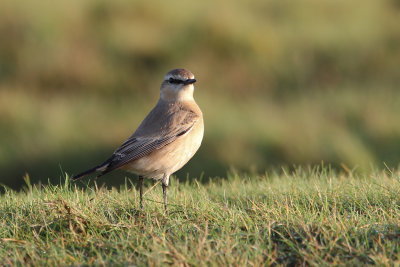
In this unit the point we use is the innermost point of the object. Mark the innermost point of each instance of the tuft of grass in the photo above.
(312, 216)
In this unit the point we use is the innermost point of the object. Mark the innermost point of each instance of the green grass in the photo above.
(313, 216)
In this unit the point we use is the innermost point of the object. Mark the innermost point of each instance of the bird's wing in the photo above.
(167, 129)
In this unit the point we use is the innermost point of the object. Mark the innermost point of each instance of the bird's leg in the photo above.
(141, 191)
(165, 182)
(164, 187)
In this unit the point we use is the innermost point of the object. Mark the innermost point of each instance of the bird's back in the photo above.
(166, 116)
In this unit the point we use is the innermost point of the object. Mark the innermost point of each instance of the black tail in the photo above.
(102, 167)
(82, 174)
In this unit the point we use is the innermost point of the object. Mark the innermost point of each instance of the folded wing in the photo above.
(156, 131)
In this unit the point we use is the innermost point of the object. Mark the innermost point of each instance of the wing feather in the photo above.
(139, 145)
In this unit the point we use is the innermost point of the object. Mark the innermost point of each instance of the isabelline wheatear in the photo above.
(166, 139)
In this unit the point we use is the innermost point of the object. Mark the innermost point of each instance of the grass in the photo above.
(312, 216)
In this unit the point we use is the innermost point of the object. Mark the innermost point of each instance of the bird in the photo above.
(166, 139)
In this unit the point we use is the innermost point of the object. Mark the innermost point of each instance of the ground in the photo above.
(315, 216)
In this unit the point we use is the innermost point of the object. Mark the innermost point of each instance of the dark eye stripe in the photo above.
(176, 81)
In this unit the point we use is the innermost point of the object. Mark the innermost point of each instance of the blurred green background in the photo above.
(280, 82)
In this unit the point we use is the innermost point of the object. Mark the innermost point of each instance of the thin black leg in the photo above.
(141, 191)
(164, 187)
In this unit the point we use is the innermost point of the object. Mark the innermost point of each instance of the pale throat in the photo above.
(183, 94)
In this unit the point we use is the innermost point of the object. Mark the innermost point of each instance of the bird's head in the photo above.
(177, 85)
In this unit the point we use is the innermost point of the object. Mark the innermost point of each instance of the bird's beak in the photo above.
(189, 81)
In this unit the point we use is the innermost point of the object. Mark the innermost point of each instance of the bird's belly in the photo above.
(169, 159)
